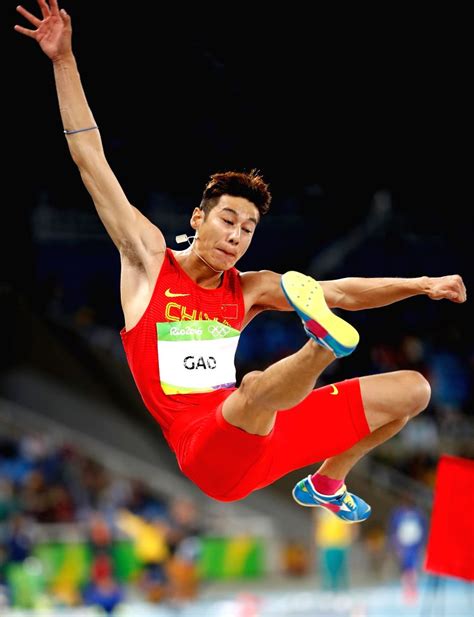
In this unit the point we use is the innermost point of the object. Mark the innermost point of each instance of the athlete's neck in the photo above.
(195, 251)
(197, 268)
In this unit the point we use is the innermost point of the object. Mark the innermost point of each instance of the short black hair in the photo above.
(249, 185)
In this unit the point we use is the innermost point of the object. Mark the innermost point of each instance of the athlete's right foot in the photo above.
(346, 506)
(307, 298)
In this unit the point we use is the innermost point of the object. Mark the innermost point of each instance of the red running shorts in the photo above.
(227, 463)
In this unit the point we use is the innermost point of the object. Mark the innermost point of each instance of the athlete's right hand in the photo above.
(53, 32)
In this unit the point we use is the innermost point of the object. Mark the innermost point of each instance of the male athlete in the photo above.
(184, 312)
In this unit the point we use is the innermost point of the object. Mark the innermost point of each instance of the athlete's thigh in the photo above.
(222, 459)
(327, 422)
(391, 396)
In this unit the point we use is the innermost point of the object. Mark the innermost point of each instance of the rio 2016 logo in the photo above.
(187, 331)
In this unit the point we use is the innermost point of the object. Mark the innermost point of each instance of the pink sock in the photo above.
(325, 485)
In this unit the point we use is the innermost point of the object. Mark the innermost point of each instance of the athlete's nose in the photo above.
(234, 237)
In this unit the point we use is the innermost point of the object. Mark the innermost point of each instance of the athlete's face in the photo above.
(225, 233)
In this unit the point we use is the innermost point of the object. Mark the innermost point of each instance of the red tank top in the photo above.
(177, 298)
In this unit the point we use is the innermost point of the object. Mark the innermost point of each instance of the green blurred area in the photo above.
(60, 569)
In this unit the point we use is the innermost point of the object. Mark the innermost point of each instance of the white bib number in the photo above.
(196, 356)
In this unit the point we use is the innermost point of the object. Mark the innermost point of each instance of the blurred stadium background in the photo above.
(361, 146)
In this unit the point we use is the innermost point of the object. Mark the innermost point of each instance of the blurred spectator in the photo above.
(413, 353)
(100, 542)
(101, 567)
(407, 533)
(116, 495)
(4, 595)
(420, 466)
(295, 558)
(151, 550)
(12, 465)
(34, 447)
(333, 539)
(142, 503)
(35, 499)
(18, 540)
(183, 538)
(3, 565)
(62, 506)
(183, 522)
(105, 593)
(95, 480)
(8, 500)
(385, 357)
(99, 534)
(449, 379)
(183, 570)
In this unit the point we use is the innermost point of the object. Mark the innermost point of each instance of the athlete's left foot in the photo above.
(329, 330)
(346, 506)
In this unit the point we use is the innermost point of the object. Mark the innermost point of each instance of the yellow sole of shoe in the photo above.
(305, 294)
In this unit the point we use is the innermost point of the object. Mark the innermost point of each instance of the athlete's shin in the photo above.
(287, 382)
(337, 467)
(281, 386)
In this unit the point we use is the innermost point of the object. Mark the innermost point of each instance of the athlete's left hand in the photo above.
(449, 287)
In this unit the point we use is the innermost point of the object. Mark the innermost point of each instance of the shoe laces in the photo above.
(349, 501)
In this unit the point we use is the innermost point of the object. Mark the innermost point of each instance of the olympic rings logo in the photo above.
(218, 331)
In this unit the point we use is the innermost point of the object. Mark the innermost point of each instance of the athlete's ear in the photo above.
(197, 218)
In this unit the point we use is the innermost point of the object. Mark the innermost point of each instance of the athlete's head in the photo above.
(230, 209)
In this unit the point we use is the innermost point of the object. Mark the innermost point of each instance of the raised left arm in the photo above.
(262, 291)
(355, 294)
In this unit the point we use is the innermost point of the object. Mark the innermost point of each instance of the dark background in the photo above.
(330, 107)
(180, 94)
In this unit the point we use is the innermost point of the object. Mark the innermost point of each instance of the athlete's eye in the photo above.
(247, 231)
(228, 222)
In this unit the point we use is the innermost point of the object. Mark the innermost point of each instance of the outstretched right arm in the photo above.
(139, 241)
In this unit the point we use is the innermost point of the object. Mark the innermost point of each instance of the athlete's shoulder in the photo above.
(262, 287)
(255, 277)
(251, 278)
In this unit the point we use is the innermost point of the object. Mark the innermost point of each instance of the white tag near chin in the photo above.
(196, 356)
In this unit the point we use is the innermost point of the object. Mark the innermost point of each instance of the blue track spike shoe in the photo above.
(346, 506)
(307, 298)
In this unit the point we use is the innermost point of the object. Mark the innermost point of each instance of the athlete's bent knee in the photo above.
(420, 392)
(248, 386)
